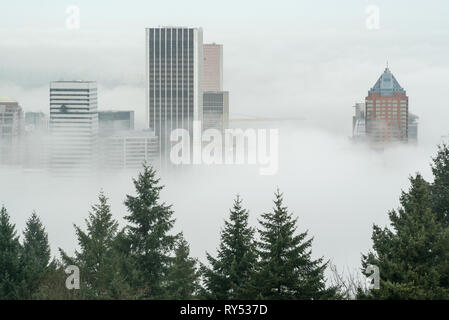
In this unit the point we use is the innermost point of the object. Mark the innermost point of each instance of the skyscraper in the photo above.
(73, 125)
(174, 71)
(387, 111)
(212, 67)
(215, 100)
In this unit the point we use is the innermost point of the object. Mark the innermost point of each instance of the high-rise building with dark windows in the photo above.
(174, 59)
(386, 111)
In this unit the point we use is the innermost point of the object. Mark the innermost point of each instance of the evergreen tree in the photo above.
(148, 235)
(10, 273)
(182, 277)
(98, 258)
(35, 256)
(230, 274)
(286, 269)
(52, 286)
(413, 257)
(440, 186)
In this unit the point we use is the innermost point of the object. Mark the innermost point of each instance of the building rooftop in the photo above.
(70, 81)
(114, 111)
(173, 27)
(7, 100)
(387, 85)
(134, 133)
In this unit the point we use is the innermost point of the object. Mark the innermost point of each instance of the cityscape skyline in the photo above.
(178, 67)
(350, 46)
(313, 71)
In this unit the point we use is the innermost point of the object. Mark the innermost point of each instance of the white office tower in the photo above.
(73, 126)
(174, 60)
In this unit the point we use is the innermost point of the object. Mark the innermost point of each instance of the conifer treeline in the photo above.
(147, 260)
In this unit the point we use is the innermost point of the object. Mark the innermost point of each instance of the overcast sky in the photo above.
(281, 58)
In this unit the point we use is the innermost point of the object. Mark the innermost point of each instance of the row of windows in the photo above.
(71, 90)
(402, 113)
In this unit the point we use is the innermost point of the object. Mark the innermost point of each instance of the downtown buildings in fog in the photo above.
(184, 83)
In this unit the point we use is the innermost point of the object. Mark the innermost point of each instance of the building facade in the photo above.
(358, 123)
(110, 122)
(11, 131)
(36, 142)
(386, 111)
(174, 70)
(73, 125)
(129, 149)
(412, 128)
(212, 67)
(36, 121)
(216, 110)
(215, 100)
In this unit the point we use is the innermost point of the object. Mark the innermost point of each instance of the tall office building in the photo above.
(215, 100)
(212, 67)
(11, 131)
(174, 71)
(73, 125)
(387, 111)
